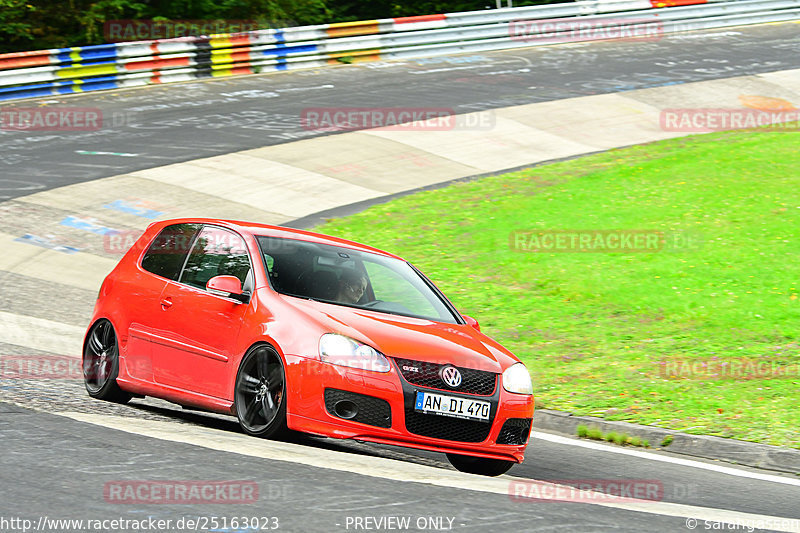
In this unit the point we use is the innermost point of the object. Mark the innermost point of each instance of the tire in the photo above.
(101, 364)
(479, 465)
(260, 393)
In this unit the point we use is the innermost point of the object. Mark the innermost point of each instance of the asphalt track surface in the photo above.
(57, 467)
(157, 125)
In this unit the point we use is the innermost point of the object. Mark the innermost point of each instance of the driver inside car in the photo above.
(352, 285)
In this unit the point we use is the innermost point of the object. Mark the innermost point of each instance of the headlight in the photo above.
(516, 379)
(344, 351)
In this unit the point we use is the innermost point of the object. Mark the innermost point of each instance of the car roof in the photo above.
(257, 229)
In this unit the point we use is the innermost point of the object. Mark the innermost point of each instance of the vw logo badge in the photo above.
(451, 376)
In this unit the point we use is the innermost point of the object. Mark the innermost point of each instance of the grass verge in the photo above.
(621, 439)
(700, 336)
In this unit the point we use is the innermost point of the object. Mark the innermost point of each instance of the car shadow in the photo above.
(229, 423)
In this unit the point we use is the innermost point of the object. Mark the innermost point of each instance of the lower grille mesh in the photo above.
(446, 428)
(371, 410)
(515, 431)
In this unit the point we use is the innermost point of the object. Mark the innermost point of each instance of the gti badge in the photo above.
(451, 376)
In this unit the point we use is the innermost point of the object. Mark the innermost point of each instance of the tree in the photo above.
(16, 30)
(41, 24)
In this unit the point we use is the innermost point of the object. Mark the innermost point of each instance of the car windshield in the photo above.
(353, 278)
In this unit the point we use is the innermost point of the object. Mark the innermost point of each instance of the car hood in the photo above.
(409, 338)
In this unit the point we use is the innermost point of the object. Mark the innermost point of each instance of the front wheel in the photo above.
(479, 465)
(101, 364)
(260, 398)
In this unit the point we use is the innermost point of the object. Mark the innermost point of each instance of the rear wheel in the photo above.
(101, 364)
(260, 400)
(479, 465)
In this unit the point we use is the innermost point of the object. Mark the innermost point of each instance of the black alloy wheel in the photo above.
(260, 399)
(101, 364)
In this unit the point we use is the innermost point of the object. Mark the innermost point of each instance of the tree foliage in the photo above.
(41, 24)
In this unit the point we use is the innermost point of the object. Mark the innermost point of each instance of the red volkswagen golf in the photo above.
(292, 330)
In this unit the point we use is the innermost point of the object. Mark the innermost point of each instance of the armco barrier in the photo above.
(130, 64)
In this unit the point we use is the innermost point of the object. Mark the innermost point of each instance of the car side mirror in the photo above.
(228, 286)
(472, 322)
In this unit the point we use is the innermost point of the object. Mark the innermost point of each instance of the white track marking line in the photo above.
(41, 334)
(665, 459)
(379, 467)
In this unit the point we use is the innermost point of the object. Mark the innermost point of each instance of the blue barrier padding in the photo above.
(99, 51)
(26, 93)
(85, 88)
(31, 87)
(64, 90)
(97, 85)
(281, 50)
(68, 63)
(62, 57)
(99, 80)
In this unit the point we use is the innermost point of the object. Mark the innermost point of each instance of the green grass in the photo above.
(621, 439)
(606, 334)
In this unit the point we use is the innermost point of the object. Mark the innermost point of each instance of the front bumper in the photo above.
(309, 379)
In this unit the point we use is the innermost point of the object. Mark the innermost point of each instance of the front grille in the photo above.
(446, 428)
(371, 410)
(473, 381)
(515, 431)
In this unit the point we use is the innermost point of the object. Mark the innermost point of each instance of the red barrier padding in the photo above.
(420, 18)
(24, 59)
(157, 63)
(674, 3)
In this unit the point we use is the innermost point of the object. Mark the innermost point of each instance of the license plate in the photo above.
(439, 404)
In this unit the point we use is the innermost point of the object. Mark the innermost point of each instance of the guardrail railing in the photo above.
(130, 64)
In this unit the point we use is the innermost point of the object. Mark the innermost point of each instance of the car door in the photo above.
(161, 263)
(199, 329)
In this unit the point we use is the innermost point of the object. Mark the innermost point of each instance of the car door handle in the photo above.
(166, 303)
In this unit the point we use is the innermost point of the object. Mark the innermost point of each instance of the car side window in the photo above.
(167, 252)
(216, 252)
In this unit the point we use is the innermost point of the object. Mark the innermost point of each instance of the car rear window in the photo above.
(167, 252)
